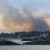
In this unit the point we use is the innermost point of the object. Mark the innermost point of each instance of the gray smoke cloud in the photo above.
(15, 16)
(40, 24)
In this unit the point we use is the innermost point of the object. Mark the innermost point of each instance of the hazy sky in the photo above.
(38, 4)
(24, 15)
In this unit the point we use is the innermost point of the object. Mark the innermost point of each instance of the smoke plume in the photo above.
(14, 19)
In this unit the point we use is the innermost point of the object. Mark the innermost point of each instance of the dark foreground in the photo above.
(5, 42)
(38, 41)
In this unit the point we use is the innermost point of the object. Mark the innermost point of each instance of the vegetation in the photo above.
(36, 41)
(35, 38)
(5, 42)
(24, 34)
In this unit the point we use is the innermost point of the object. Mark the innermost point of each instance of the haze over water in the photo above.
(24, 47)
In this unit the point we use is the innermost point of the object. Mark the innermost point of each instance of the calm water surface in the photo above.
(26, 47)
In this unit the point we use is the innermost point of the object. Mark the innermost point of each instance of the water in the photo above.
(26, 47)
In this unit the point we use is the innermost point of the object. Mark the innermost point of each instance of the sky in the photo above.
(24, 15)
(38, 4)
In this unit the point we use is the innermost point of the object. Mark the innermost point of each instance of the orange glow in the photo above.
(24, 26)
(1, 23)
(18, 26)
(47, 20)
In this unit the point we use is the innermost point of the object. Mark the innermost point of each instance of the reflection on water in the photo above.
(26, 47)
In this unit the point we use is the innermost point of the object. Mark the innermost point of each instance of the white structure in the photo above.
(45, 35)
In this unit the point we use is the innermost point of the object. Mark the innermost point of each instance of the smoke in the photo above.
(21, 20)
